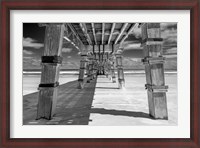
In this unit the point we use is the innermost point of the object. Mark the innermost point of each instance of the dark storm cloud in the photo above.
(34, 31)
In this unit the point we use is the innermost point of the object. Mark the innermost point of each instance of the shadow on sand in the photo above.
(120, 113)
(107, 87)
(73, 106)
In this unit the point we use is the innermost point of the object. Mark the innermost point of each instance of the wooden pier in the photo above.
(101, 47)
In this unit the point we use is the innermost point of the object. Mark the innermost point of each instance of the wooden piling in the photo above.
(90, 69)
(154, 68)
(120, 71)
(112, 68)
(51, 61)
(82, 69)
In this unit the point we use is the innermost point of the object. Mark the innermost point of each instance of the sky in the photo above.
(33, 47)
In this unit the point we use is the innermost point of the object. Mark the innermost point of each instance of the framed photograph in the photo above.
(100, 74)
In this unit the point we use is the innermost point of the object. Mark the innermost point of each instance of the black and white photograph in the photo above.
(100, 73)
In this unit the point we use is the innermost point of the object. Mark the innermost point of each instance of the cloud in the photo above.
(135, 59)
(29, 42)
(27, 58)
(70, 65)
(170, 56)
(169, 35)
(171, 51)
(26, 52)
(132, 63)
(132, 46)
(168, 26)
(137, 32)
(31, 63)
(171, 63)
(66, 50)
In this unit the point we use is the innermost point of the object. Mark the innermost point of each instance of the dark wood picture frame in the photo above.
(192, 5)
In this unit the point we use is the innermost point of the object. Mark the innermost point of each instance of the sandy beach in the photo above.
(100, 103)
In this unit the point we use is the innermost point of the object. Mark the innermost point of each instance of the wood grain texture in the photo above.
(120, 71)
(153, 51)
(113, 77)
(157, 75)
(47, 102)
(50, 72)
(154, 69)
(7, 5)
(53, 40)
(82, 71)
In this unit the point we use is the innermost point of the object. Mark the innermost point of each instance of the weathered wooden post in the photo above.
(83, 63)
(106, 68)
(109, 69)
(94, 68)
(120, 70)
(51, 60)
(154, 68)
(112, 67)
(90, 69)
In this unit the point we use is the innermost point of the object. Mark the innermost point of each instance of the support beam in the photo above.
(51, 61)
(95, 68)
(120, 69)
(107, 69)
(90, 69)
(83, 63)
(84, 29)
(111, 33)
(108, 32)
(112, 66)
(129, 32)
(154, 68)
(103, 29)
(121, 32)
(75, 33)
(71, 42)
(94, 34)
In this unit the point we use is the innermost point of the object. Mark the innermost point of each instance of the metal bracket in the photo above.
(49, 85)
(52, 59)
(153, 60)
(156, 88)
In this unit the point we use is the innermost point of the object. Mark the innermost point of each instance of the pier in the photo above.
(101, 82)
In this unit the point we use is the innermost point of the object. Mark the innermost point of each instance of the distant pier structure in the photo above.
(101, 46)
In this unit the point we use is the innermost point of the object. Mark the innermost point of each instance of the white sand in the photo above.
(115, 107)
(118, 107)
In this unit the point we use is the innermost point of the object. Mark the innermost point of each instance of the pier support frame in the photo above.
(51, 60)
(120, 71)
(83, 63)
(154, 68)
